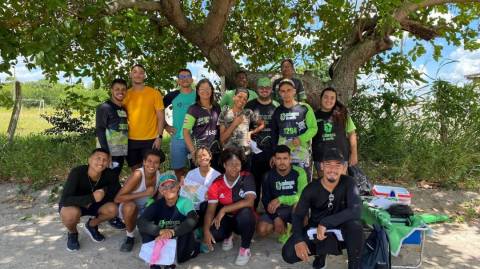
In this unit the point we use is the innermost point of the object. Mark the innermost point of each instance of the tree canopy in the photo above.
(102, 39)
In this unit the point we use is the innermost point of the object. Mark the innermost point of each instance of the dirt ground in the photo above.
(33, 237)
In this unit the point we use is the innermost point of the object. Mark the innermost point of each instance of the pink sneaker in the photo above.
(243, 256)
(227, 243)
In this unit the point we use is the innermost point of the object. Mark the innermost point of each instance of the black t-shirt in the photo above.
(329, 135)
(346, 206)
(264, 112)
(111, 127)
(78, 190)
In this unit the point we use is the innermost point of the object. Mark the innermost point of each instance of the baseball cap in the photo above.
(286, 81)
(264, 82)
(332, 154)
(166, 178)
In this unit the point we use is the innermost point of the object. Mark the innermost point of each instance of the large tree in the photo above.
(101, 39)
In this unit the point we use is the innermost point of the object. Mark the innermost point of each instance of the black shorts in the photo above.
(92, 210)
(284, 212)
(136, 150)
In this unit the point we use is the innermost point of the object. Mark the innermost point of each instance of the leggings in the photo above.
(352, 232)
(242, 223)
(260, 165)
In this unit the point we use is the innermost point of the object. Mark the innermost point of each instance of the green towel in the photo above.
(397, 232)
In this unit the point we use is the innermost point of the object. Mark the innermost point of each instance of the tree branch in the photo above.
(119, 5)
(405, 10)
(217, 19)
(172, 10)
(419, 30)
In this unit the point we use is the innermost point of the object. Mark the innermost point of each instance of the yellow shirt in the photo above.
(142, 107)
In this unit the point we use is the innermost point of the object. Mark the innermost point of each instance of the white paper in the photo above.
(382, 202)
(167, 253)
(254, 147)
(312, 233)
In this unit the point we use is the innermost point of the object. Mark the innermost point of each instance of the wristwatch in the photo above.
(160, 136)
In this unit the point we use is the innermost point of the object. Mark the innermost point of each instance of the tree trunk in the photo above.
(12, 126)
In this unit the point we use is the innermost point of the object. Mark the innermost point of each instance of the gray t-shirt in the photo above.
(239, 136)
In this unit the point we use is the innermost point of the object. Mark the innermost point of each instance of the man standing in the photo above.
(146, 117)
(263, 107)
(111, 125)
(281, 189)
(334, 203)
(181, 100)
(88, 191)
(294, 125)
(241, 82)
(288, 71)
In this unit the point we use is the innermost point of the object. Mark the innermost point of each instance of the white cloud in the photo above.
(304, 40)
(199, 71)
(467, 63)
(436, 16)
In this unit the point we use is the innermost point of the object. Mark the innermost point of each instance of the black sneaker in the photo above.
(117, 223)
(72, 242)
(155, 266)
(93, 232)
(171, 266)
(127, 245)
(320, 262)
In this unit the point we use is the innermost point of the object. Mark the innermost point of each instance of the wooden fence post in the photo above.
(12, 126)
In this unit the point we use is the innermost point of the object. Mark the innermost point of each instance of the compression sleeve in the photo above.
(311, 123)
(301, 183)
(101, 117)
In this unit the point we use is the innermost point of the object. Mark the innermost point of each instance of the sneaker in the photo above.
(171, 266)
(204, 248)
(227, 243)
(243, 256)
(72, 242)
(319, 263)
(155, 266)
(117, 223)
(283, 238)
(127, 245)
(93, 232)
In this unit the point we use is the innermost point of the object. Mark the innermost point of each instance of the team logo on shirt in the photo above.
(221, 196)
(327, 127)
(289, 116)
(301, 125)
(168, 223)
(241, 193)
(284, 185)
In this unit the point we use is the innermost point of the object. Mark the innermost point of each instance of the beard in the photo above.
(331, 179)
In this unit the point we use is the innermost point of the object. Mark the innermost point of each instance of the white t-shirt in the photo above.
(194, 177)
(196, 186)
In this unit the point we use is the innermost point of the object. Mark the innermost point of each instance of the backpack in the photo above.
(364, 186)
(376, 252)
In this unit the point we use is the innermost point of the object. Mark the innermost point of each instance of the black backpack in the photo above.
(376, 252)
(364, 186)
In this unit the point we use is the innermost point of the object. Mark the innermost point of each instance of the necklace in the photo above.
(92, 187)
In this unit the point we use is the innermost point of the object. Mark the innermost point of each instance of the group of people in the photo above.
(251, 147)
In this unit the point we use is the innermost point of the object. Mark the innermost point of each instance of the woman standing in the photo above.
(335, 129)
(200, 127)
(230, 207)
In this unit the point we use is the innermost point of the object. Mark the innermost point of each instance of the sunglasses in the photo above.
(331, 197)
(184, 76)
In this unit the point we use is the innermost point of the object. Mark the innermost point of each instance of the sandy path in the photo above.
(33, 237)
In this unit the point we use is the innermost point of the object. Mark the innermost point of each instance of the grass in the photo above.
(29, 122)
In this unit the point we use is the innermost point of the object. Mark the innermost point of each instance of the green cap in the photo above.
(264, 82)
(167, 177)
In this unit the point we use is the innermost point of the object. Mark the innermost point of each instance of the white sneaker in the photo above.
(243, 256)
(227, 243)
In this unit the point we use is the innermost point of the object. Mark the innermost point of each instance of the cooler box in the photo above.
(402, 194)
